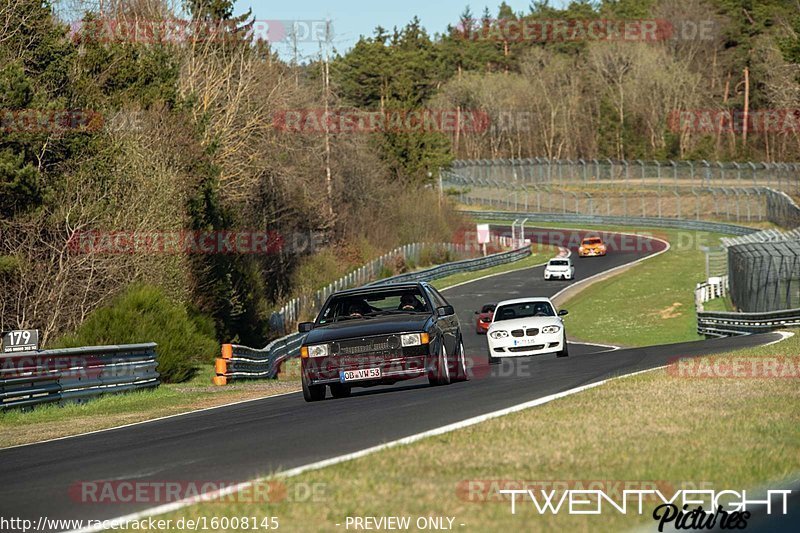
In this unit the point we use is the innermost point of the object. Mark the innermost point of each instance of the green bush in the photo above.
(146, 314)
(434, 255)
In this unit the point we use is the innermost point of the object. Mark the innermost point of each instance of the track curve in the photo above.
(251, 439)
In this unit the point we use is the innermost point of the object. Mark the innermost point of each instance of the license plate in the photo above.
(524, 342)
(363, 373)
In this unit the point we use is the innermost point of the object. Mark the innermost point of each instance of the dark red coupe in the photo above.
(483, 318)
(378, 336)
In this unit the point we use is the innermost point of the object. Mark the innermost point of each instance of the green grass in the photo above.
(653, 428)
(652, 302)
(53, 421)
(719, 304)
(540, 255)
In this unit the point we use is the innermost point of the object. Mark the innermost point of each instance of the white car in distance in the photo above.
(526, 326)
(559, 268)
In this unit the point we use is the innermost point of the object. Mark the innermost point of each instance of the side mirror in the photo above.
(305, 327)
(563, 312)
(445, 310)
(477, 312)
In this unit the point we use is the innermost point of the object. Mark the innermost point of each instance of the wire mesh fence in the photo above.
(741, 192)
(610, 172)
(765, 276)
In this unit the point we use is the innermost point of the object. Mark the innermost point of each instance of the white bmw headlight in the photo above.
(318, 350)
(551, 329)
(499, 334)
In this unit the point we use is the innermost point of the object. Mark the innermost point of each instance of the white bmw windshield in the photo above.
(523, 310)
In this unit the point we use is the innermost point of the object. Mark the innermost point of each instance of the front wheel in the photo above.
(312, 393)
(565, 351)
(439, 373)
(461, 364)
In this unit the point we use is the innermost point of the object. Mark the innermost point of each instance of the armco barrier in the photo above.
(719, 324)
(74, 374)
(467, 265)
(709, 323)
(709, 290)
(291, 311)
(243, 362)
(601, 220)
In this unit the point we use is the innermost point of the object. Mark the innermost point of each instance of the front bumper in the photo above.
(557, 275)
(521, 347)
(591, 253)
(327, 370)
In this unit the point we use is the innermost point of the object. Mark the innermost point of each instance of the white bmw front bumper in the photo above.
(512, 346)
(557, 274)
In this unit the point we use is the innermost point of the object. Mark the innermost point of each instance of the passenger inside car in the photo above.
(409, 302)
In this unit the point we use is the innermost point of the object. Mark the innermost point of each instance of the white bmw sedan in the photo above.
(559, 268)
(526, 326)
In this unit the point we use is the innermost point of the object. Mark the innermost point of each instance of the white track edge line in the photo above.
(569, 252)
(175, 506)
(140, 422)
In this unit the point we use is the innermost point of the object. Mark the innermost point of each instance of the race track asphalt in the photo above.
(256, 438)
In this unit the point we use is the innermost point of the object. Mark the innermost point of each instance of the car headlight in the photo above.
(414, 339)
(499, 334)
(603, 247)
(551, 329)
(318, 350)
(581, 248)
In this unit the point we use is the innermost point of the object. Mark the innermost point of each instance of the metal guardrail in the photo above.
(291, 311)
(602, 220)
(457, 267)
(709, 290)
(720, 324)
(75, 374)
(710, 323)
(242, 362)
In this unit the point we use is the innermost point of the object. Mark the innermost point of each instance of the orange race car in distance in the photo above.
(591, 246)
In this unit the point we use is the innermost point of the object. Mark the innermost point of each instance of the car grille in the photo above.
(384, 345)
(526, 348)
(530, 332)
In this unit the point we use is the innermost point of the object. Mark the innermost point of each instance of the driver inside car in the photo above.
(357, 308)
(409, 302)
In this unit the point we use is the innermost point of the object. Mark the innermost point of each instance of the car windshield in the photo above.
(592, 241)
(523, 310)
(488, 308)
(365, 305)
(559, 262)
